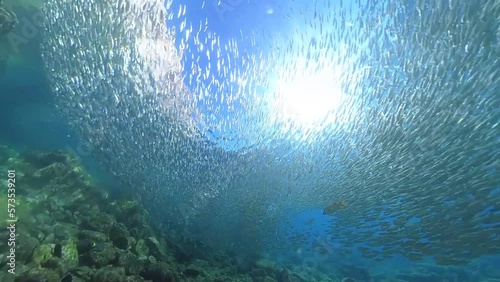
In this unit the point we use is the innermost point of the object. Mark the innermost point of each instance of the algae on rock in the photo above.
(43, 253)
(69, 255)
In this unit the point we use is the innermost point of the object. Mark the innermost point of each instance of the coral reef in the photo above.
(70, 230)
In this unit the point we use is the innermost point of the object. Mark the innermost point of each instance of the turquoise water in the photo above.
(247, 119)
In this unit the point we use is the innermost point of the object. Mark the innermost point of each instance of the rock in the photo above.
(84, 246)
(45, 223)
(69, 277)
(57, 168)
(83, 272)
(158, 272)
(257, 275)
(78, 279)
(131, 241)
(86, 212)
(126, 211)
(110, 274)
(283, 275)
(91, 235)
(94, 194)
(141, 249)
(53, 263)
(25, 250)
(268, 265)
(223, 279)
(141, 230)
(63, 231)
(102, 254)
(39, 274)
(132, 264)
(102, 222)
(43, 253)
(69, 256)
(139, 217)
(43, 159)
(53, 173)
(192, 272)
(221, 260)
(269, 279)
(7, 277)
(119, 236)
(358, 273)
(155, 248)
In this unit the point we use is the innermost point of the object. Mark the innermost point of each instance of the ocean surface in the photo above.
(341, 140)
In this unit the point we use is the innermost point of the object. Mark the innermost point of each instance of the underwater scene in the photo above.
(250, 140)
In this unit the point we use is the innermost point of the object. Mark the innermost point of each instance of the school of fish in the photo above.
(413, 149)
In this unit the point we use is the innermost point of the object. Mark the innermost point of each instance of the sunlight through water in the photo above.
(230, 120)
(310, 97)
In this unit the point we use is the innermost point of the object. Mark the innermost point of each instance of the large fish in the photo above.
(335, 207)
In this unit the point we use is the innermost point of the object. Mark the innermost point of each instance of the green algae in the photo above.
(43, 253)
(69, 255)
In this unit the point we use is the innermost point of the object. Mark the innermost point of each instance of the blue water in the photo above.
(251, 24)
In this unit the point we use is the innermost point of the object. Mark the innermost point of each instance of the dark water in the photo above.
(230, 143)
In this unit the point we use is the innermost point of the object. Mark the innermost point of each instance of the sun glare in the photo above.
(309, 100)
